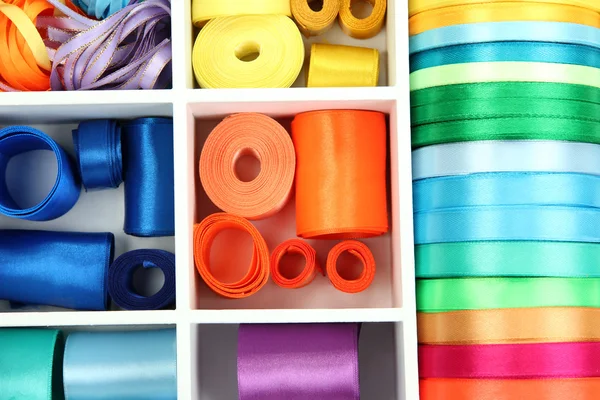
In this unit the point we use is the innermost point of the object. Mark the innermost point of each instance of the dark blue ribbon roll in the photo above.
(98, 149)
(16, 140)
(149, 177)
(120, 279)
(64, 269)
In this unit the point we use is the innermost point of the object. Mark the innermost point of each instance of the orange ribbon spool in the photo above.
(310, 270)
(341, 174)
(363, 253)
(248, 134)
(258, 271)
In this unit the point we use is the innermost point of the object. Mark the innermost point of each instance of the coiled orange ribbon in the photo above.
(418, 6)
(341, 174)
(248, 134)
(311, 268)
(362, 28)
(311, 22)
(258, 271)
(342, 66)
(363, 253)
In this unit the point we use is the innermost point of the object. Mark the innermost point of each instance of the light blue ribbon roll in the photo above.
(139, 365)
(101, 9)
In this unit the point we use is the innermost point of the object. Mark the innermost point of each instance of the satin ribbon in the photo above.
(135, 365)
(558, 53)
(505, 71)
(514, 361)
(442, 295)
(101, 9)
(298, 361)
(509, 389)
(120, 279)
(358, 250)
(265, 139)
(342, 66)
(64, 194)
(149, 177)
(513, 325)
(362, 28)
(502, 11)
(311, 22)
(340, 174)
(308, 273)
(223, 51)
(510, 31)
(64, 269)
(30, 364)
(505, 156)
(206, 10)
(552, 223)
(98, 149)
(418, 6)
(258, 270)
(467, 259)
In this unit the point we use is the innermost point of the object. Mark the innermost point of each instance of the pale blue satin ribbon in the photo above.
(505, 156)
(136, 365)
(508, 188)
(550, 223)
(557, 32)
(101, 9)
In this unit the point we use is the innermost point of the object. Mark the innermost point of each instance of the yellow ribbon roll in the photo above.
(314, 23)
(362, 28)
(342, 66)
(205, 10)
(253, 51)
(417, 6)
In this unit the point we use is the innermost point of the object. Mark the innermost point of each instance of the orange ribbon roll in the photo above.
(258, 271)
(342, 66)
(362, 28)
(312, 22)
(311, 268)
(341, 174)
(362, 252)
(255, 135)
(24, 61)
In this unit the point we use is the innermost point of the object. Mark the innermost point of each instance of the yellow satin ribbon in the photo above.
(342, 66)
(314, 23)
(253, 51)
(205, 10)
(418, 6)
(502, 11)
(362, 28)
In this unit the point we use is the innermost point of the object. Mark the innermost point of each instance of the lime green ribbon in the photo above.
(27, 360)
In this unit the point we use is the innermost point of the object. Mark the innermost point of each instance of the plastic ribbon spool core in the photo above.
(252, 51)
(310, 270)
(362, 28)
(342, 66)
(206, 10)
(315, 17)
(360, 251)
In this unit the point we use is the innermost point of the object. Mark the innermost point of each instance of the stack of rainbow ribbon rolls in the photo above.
(505, 113)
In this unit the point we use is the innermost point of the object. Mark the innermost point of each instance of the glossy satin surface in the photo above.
(137, 365)
(101, 9)
(65, 269)
(149, 177)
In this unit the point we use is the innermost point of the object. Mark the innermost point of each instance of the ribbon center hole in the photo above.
(247, 51)
(247, 166)
(292, 265)
(315, 5)
(231, 248)
(349, 266)
(147, 279)
(30, 176)
(361, 9)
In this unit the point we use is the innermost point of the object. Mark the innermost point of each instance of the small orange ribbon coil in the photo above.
(341, 174)
(363, 253)
(310, 270)
(362, 28)
(258, 271)
(248, 134)
(314, 23)
(342, 66)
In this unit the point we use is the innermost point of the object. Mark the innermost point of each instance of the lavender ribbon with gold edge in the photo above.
(131, 49)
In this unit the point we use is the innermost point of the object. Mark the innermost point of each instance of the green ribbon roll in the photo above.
(28, 358)
(443, 295)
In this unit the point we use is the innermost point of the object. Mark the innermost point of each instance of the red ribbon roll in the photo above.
(362, 252)
(311, 268)
(341, 174)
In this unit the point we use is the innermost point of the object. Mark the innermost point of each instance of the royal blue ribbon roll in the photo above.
(64, 269)
(120, 279)
(149, 177)
(98, 150)
(64, 194)
(140, 365)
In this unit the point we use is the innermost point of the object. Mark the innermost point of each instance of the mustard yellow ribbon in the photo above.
(362, 28)
(342, 66)
(314, 23)
(205, 10)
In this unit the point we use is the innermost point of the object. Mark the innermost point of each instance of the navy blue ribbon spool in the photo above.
(64, 269)
(98, 149)
(64, 194)
(120, 279)
(149, 177)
